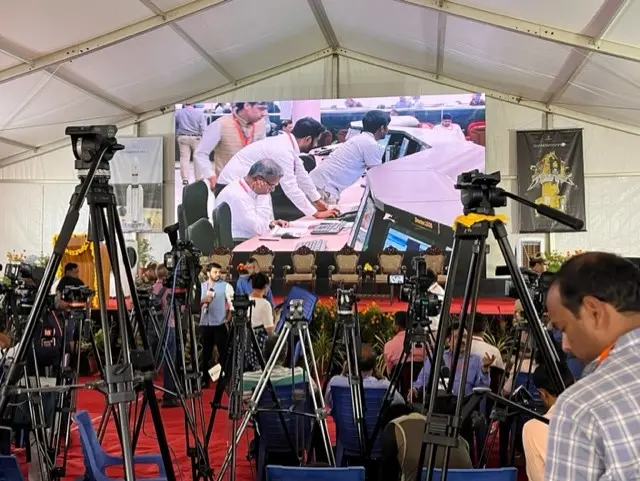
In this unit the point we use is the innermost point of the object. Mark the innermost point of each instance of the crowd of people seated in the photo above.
(594, 304)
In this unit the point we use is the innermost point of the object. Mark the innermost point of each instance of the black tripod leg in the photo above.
(332, 356)
(147, 383)
(68, 226)
(549, 354)
(221, 385)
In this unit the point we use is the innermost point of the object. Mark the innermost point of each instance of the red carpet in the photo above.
(499, 306)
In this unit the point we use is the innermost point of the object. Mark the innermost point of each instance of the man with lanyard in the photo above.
(296, 196)
(594, 433)
(346, 164)
(249, 200)
(228, 135)
(216, 300)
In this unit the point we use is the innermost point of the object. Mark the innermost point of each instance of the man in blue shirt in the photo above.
(243, 284)
(216, 302)
(477, 374)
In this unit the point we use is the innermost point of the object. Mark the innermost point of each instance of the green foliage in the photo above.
(376, 328)
(144, 251)
(555, 259)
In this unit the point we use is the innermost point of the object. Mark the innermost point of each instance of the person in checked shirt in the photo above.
(595, 428)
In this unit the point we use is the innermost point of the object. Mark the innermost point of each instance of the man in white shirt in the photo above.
(481, 347)
(285, 151)
(249, 200)
(447, 129)
(345, 165)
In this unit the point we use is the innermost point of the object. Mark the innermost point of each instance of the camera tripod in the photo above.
(241, 334)
(93, 148)
(347, 321)
(480, 196)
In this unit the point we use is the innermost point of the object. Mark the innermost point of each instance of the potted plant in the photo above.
(555, 259)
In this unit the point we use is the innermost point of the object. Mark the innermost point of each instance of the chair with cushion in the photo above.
(273, 439)
(223, 256)
(347, 443)
(194, 202)
(302, 269)
(346, 270)
(495, 474)
(97, 461)
(310, 473)
(221, 217)
(389, 262)
(9, 469)
(264, 256)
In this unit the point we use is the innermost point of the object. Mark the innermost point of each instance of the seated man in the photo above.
(401, 443)
(367, 364)
(249, 199)
(479, 346)
(243, 284)
(477, 375)
(534, 432)
(394, 347)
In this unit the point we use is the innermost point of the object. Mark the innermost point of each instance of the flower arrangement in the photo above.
(555, 259)
(15, 257)
(367, 267)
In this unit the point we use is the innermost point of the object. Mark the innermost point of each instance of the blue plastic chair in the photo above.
(498, 474)
(285, 473)
(9, 469)
(347, 443)
(273, 438)
(96, 461)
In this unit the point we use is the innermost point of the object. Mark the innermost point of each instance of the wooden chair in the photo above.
(346, 269)
(223, 255)
(264, 256)
(302, 269)
(389, 262)
(435, 260)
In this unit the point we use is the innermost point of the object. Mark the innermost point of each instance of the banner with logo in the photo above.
(136, 174)
(550, 172)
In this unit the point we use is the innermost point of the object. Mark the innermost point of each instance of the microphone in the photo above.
(445, 374)
(205, 310)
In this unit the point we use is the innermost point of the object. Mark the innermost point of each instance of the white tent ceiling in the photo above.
(123, 61)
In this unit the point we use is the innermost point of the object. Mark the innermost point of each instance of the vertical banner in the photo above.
(550, 172)
(136, 174)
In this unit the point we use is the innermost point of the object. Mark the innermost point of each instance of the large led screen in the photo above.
(365, 172)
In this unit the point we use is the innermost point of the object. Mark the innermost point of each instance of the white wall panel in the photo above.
(612, 183)
(503, 120)
(21, 219)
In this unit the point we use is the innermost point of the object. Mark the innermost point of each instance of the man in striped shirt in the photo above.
(595, 430)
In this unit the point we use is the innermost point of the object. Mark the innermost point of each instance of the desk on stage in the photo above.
(334, 242)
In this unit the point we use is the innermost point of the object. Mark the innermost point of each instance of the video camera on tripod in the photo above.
(182, 261)
(537, 284)
(346, 301)
(414, 290)
(24, 280)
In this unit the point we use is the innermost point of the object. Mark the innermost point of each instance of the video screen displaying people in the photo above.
(370, 173)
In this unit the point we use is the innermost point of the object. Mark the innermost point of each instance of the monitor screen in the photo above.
(366, 222)
(358, 219)
(403, 242)
(404, 147)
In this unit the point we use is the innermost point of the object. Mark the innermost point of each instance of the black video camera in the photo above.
(149, 300)
(415, 290)
(88, 141)
(241, 305)
(182, 261)
(537, 284)
(480, 193)
(77, 296)
(346, 301)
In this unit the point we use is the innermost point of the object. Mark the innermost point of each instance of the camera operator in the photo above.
(538, 265)
(595, 429)
(71, 278)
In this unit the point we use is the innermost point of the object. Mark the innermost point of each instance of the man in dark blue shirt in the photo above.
(243, 285)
